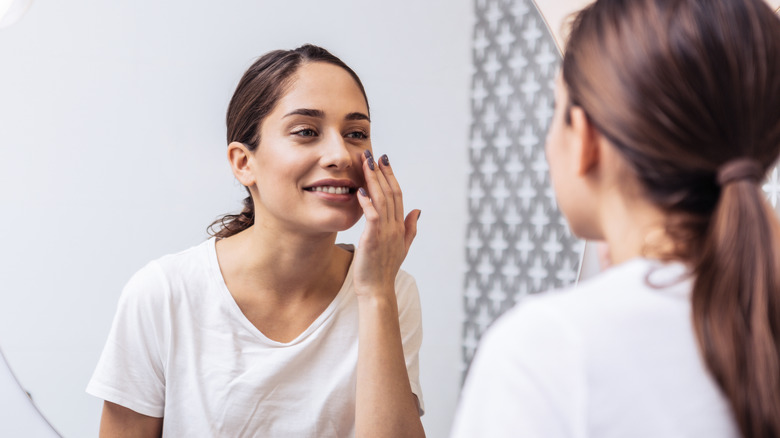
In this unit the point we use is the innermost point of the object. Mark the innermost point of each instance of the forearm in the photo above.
(386, 406)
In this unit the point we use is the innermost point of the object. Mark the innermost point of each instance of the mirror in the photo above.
(19, 416)
(113, 154)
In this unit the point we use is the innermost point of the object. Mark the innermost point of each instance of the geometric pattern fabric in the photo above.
(517, 241)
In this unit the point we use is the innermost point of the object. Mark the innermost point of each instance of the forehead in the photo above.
(323, 86)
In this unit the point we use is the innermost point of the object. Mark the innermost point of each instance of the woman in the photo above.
(270, 329)
(667, 118)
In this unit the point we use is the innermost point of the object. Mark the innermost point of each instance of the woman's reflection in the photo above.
(270, 328)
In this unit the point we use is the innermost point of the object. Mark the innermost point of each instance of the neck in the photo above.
(290, 265)
(632, 227)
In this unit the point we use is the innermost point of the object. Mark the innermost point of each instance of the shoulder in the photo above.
(527, 377)
(159, 278)
(406, 291)
(636, 287)
(538, 329)
(533, 366)
(405, 281)
(189, 261)
(595, 316)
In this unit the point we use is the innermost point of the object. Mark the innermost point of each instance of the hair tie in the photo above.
(740, 169)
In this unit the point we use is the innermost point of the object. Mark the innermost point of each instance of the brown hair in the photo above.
(681, 88)
(256, 95)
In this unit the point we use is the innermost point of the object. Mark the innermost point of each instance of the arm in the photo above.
(120, 422)
(130, 375)
(385, 402)
(385, 405)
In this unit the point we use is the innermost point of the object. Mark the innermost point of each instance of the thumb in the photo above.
(410, 224)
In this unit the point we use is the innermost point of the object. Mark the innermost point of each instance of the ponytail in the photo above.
(231, 224)
(736, 305)
(675, 136)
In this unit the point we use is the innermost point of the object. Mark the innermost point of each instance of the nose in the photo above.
(335, 152)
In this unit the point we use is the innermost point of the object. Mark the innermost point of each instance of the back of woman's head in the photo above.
(257, 93)
(688, 92)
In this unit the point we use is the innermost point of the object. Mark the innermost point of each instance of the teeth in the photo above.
(331, 189)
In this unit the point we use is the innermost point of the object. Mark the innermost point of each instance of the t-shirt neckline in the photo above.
(235, 311)
(673, 277)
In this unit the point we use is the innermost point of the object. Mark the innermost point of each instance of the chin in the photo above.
(583, 229)
(338, 224)
(585, 232)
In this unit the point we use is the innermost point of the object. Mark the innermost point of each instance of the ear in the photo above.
(241, 162)
(586, 153)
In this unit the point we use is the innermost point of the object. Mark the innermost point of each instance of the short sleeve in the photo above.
(527, 378)
(410, 321)
(130, 371)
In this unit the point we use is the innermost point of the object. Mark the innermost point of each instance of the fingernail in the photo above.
(363, 192)
(370, 158)
(384, 160)
(419, 214)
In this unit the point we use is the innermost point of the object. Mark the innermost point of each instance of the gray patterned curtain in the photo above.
(517, 242)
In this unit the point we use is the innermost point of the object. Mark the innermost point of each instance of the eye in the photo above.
(357, 135)
(305, 133)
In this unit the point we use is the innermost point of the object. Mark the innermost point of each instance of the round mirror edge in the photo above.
(22, 414)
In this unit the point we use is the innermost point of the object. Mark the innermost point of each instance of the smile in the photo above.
(332, 190)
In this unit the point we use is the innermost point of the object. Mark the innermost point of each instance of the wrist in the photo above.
(377, 298)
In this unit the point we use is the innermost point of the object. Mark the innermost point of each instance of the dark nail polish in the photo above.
(370, 159)
(384, 160)
(419, 214)
(363, 192)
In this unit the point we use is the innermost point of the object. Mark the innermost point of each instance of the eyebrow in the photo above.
(321, 115)
(306, 112)
(357, 116)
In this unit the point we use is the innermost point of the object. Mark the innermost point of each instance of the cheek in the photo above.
(278, 164)
(570, 205)
(577, 206)
(562, 183)
(358, 155)
(554, 137)
(554, 156)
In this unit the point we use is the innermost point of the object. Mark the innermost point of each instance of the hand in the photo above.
(387, 237)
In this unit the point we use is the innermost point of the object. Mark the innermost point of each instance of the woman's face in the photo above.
(308, 165)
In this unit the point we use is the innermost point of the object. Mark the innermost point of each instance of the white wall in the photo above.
(112, 153)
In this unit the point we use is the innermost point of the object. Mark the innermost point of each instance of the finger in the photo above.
(410, 225)
(387, 191)
(368, 207)
(395, 188)
(373, 184)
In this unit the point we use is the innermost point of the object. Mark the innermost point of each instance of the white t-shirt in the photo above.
(614, 357)
(180, 348)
